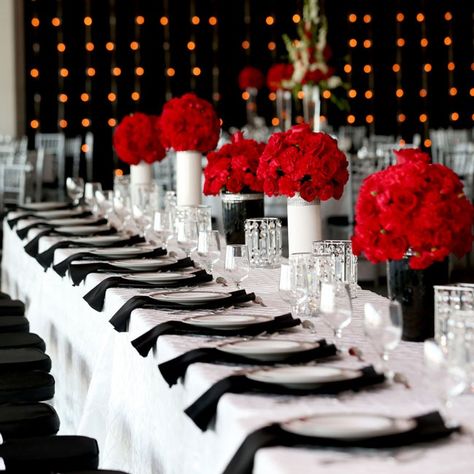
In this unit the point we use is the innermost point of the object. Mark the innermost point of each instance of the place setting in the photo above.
(348, 431)
(164, 279)
(184, 300)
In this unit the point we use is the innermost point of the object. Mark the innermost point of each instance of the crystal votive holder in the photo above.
(345, 262)
(263, 240)
(447, 300)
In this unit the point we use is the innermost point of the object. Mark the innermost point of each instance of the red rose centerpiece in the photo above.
(278, 77)
(191, 127)
(137, 142)
(307, 167)
(251, 80)
(413, 215)
(232, 171)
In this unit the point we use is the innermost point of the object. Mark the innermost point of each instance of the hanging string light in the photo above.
(115, 71)
(426, 69)
(62, 71)
(397, 69)
(216, 97)
(135, 46)
(169, 71)
(195, 20)
(89, 47)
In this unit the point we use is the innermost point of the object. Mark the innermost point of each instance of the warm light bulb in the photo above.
(271, 46)
(213, 21)
(269, 20)
(139, 71)
(164, 21)
(140, 20)
(296, 18)
(63, 123)
(196, 71)
(170, 72)
(351, 119)
(88, 21)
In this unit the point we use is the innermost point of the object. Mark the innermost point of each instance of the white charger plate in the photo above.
(82, 229)
(73, 221)
(190, 297)
(267, 349)
(230, 321)
(302, 376)
(158, 277)
(117, 252)
(99, 239)
(139, 264)
(44, 206)
(349, 426)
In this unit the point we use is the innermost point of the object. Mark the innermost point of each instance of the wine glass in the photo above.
(209, 248)
(293, 286)
(163, 227)
(105, 202)
(335, 306)
(237, 263)
(383, 326)
(446, 376)
(187, 236)
(89, 195)
(75, 189)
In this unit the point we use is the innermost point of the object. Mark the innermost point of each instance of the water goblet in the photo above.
(335, 306)
(293, 287)
(163, 227)
(75, 189)
(209, 248)
(187, 236)
(447, 377)
(237, 263)
(89, 196)
(383, 326)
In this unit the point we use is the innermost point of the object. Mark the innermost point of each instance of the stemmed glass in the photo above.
(209, 248)
(383, 326)
(335, 306)
(75, 189)
(89, 196)
(293, 286)
(105, 202)
(163, 227)
(447, 377)
(237, 263)
(187, 236)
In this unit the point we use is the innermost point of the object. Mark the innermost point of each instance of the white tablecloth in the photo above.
(106, 390)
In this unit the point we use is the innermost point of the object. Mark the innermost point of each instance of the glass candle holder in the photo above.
(263, 240)
(345, 262)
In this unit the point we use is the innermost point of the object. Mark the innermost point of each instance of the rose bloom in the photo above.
(251, 77)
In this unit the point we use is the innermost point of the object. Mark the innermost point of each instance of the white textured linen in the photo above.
(107, 391)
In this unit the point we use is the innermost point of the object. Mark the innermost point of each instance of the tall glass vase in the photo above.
(312, 106)
(283, 107)
(251, 105)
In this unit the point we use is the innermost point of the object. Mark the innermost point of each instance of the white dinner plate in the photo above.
(158, 277)
(44, 206)
(230, 321)
(143, 264)
(303, 376)
(117, 252)
(99, 239)
(190, 297)
(59, 214)
(73, 221)
(82, 229)
(267, 349)
(349, 426)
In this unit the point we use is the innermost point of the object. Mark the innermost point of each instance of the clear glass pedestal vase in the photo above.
(312, 106)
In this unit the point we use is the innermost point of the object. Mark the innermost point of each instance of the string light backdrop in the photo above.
(409, 64)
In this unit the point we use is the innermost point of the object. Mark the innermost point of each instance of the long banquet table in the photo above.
(106, 390)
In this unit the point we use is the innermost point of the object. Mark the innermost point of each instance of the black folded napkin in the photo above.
(120, 319)
(31, 248)
(46, 258)
(146, 342)
(96, 297)
(429, 427)
(23, 232)
(79, 272)
(173, 369)
(29, 213)
(202, 411)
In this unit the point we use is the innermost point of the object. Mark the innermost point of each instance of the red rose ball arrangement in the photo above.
(189, 123)
(251, 77)
(278, 74)
(304, 162)
(233, 168)
(413, 205)
(138, 138)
